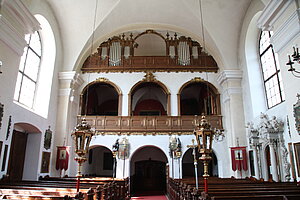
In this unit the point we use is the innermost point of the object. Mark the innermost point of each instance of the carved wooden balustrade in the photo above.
(138, 125)
(153, 63)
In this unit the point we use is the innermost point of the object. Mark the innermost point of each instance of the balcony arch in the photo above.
(198, 96)
(99, 103)
(149, 92)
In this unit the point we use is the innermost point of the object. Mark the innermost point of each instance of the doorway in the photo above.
(148, 171)
(24, 153)
(17, 156)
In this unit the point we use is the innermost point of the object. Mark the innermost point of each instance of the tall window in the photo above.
(28, 70)
(271, 70)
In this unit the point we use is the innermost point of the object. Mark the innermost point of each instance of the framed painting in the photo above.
(45, 162)
(297, 155)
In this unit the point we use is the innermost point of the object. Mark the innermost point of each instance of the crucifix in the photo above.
(193, 146)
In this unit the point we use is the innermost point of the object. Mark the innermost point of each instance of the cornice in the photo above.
(229, 75)
(16, 21)
(271, 13)
(66, 75)
(11, 37)
(19, 13)
(286, 32)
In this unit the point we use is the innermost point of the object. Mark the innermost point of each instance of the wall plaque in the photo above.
(47, 138)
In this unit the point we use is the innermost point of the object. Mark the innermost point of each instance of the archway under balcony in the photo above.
(149, 98)
(188, 167)
(197, 97)
(148, 170)
(101, 97)
(100, 162)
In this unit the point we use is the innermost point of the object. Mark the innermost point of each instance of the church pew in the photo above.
(223, 188)
(51, 189)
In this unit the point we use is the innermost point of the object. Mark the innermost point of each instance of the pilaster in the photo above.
(232, 99)
(67, 107)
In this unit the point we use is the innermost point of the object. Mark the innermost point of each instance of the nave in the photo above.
(177, 189)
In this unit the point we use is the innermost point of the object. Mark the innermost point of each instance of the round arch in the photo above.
(24, 152)
(148, 169)
(100, 162)
(149, 79)
(103, 81)
(198, 80)
(188, 168)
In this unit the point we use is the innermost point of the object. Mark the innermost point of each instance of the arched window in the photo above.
(271, 70)
(29, 70)
(34, 82)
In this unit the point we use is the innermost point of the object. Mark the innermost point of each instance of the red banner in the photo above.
(239, 158)
(62, 157)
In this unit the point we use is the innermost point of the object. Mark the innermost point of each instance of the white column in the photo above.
(233, 109)
(273, 163)
(66, 115)
(265, 167)
(174, 104)
(255, 163)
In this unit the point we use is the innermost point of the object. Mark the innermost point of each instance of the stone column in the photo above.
(233, 109)
(273, 162)
(67, 111)
(255, 162)
(264, 166)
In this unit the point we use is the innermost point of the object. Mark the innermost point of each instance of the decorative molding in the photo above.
(66, 75)
(289, 30)
(17, 11)
(11, 37)
(77, 81)
(227, 75)
(271, 13)
(16, 21)
(102, 79)
(149, 77)
(197, 79)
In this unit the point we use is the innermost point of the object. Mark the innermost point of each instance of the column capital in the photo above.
(228, 75)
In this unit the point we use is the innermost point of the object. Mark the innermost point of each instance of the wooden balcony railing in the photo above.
(152, 63)
(149, 124)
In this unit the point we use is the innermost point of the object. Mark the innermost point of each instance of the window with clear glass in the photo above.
(271, 71)
(29, 71)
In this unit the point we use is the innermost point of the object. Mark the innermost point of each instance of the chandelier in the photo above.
(295, 58)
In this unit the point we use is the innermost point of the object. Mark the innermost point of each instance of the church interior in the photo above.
(112, 99)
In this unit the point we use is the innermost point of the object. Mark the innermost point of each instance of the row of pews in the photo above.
(225, 189)
(65, 188)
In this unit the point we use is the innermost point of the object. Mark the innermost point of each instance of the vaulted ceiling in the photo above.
(222, 22)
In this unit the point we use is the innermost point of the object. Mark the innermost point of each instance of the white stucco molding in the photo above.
(69, 80)
(271, 13)
(11, 37)
(289, 30)
(227, 75)
(66, 75)
(16, 21)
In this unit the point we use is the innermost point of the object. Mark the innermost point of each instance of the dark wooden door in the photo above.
(17, 156)
(150, 175)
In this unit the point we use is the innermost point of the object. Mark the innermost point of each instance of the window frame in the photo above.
(276, 74)
(28, 48)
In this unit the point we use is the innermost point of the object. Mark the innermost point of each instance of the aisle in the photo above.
(158, 197)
